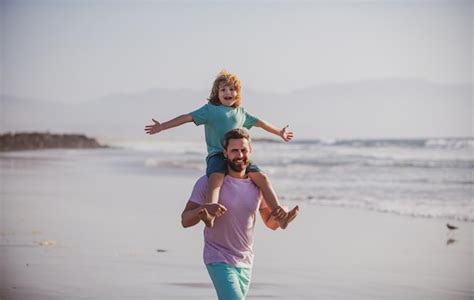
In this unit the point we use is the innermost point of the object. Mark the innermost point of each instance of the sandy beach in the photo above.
(77, 225)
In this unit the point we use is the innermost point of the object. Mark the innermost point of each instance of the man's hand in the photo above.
(155, 128)
(215, 209)
(285, 134)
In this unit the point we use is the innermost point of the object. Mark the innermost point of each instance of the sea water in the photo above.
(417, 177)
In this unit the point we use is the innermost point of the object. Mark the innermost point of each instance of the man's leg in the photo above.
(228, 281)
(245, 275)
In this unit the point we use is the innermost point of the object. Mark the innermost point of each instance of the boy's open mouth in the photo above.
(228, 98)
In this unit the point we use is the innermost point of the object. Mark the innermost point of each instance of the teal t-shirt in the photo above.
(218, 120)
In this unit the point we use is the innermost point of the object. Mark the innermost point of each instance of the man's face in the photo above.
(238, 154)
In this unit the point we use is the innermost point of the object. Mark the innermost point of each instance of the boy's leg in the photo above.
(214, 185)
(262, 181)
(283, 217)
(215, 171)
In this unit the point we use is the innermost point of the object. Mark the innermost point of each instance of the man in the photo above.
(228, 246)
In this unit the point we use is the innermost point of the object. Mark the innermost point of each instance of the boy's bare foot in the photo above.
(206, 217)
(291, 215)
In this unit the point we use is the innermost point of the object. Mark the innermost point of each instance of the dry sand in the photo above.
(78, 227)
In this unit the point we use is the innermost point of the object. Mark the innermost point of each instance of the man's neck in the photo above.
(235, 174)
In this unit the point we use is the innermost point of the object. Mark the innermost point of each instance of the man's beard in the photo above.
(238, 166)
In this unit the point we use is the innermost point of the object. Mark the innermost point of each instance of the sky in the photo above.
(74, 51)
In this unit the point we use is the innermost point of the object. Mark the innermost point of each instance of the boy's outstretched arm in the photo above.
(284, 133)
(157, 126)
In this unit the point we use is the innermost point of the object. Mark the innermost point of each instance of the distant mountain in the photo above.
(382, 108)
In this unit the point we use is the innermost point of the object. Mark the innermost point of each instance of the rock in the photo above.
(37, 140)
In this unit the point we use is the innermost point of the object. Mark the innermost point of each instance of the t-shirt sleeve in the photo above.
(250, 120)
(198, 195)
(201, 115)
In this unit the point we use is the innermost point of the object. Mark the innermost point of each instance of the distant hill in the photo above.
(382, 108)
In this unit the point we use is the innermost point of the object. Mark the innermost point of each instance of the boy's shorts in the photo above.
(217, 163)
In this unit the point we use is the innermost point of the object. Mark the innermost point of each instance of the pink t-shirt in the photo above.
(231, 239)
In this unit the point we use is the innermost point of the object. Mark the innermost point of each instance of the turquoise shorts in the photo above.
(217, 163)
(231, 283)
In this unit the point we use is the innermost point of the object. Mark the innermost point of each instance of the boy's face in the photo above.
(227, 94)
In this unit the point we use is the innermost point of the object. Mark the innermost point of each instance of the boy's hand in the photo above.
(152, 129)
(285, 134)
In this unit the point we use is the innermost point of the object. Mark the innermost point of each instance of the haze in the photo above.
(78, 51)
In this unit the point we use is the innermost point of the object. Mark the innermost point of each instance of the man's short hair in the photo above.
(237, 133)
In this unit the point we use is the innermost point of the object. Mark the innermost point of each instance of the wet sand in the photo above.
(75, 225)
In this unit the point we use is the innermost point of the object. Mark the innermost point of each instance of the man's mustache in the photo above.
(239, 160)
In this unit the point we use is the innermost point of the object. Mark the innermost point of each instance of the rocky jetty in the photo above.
(37, 140)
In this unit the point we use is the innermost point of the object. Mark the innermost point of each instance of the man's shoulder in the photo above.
(201, 181)
(198, 195)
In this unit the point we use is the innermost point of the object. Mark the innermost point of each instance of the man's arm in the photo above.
(190, 215)
(283, 133)
(267, 218)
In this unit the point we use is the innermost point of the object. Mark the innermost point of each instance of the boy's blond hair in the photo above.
(228, 79)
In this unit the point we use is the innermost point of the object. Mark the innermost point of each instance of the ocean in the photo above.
(430, 178)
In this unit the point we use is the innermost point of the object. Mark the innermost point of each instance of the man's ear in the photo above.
(225, 153)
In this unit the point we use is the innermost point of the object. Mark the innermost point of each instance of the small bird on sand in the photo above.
(451, 227)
